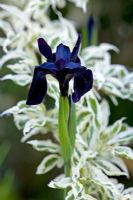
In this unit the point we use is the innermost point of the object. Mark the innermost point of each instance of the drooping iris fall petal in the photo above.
(38, 87)
(82, 83)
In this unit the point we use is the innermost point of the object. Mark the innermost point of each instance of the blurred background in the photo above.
(18, 161)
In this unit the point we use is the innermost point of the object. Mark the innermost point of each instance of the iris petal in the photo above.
(38, 87)
(44, 49)
(73, 65)
(83, 82)
(60, 64)
(63, 52)
(78, 60)
(75, 50)
(49, 68)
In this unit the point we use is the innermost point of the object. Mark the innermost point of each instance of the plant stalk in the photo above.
(65, 140)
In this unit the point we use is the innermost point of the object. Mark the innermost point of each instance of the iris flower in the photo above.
(91, 28)
(63, 65)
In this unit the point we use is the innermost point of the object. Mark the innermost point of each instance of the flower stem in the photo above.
(63, 128)
(65, 140)
(67, 170)
(67, 130)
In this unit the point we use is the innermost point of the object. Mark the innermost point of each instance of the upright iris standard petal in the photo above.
(78, 60)
(44, 49)
(63, 53)
(82, 83)
(75, 50)
(38, 87)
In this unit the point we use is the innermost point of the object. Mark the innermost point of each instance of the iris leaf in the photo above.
(72, 124)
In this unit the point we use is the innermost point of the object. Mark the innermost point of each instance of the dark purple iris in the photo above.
(63, 65)
(91, 27)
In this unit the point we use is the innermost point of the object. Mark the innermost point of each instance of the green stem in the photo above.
(63, 128)
(65, 140)
(67, 170)
(67, 130)
(84, 36)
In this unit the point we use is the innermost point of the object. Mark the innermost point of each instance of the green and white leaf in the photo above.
(109, 168)
(46, 145)
(81, 3)
(19, 79)
(48, 163)
(60, 182)
(123, 151)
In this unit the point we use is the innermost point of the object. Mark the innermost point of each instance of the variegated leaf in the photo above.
(48, 163)
(46, 145)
